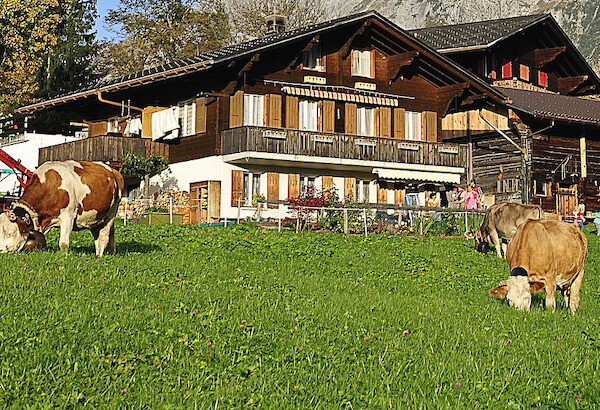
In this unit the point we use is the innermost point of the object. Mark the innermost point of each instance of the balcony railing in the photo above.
(102, 148)
(343, 146)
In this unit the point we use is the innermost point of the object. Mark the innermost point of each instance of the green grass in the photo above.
(78, 331)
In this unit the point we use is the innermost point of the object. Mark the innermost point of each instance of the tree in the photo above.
(69, 66)
(138, 166)
(158, 31)
(27, 36)
(248, 17)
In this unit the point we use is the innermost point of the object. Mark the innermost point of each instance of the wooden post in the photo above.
(421, 223)
(365, 219)
(125, 213)
(279, 217)
(583, 156)
(466, 222)
(346, 221)
(239, 201)
(171, 210)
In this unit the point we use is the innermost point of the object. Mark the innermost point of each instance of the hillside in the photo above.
(579, 18)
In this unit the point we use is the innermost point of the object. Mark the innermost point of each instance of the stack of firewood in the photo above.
(159, 201)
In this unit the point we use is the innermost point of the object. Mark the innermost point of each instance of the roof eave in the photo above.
(580, 121)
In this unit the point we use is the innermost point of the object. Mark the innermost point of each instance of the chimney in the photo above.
(275, 24)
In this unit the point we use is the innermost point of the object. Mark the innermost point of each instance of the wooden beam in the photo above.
(542, 56)
(396, 62)
(233, 83)
(307, 48)
(455, 90)
(568, 84)
(472, 99)
(345, 50)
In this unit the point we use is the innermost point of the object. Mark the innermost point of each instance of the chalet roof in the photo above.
(553, 106)
(480, 34)
(226, 54)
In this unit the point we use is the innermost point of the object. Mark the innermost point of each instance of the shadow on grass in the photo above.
(123, 248)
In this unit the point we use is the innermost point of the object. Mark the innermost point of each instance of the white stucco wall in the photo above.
(28, 152)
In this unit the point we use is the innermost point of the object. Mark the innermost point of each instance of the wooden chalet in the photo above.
(554, 131)
(354, 104)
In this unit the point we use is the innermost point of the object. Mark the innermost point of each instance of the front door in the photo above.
(566, 201)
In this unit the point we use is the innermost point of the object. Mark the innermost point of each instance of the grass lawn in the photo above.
(232, 317)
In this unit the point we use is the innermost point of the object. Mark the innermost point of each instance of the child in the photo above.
(597, 222)
(579, 216)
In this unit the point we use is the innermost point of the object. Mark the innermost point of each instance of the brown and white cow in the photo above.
(544, 254)
(70, 195)
(501, 223)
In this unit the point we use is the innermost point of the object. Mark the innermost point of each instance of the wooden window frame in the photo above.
(183, 116)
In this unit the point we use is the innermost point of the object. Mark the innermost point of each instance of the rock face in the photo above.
(579, 18)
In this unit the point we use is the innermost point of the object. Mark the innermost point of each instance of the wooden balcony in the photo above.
(102, 148)
(341, 146)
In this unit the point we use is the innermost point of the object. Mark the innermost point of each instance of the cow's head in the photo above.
(14, 232)
(517, 290)
(481, 242)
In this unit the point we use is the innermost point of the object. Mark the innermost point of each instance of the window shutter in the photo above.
(237, 188)
(272, 188)
(214, 200)
(274, 110)
(373, 60)
(350, 189)
(431, 125)
(385, 122)
(350, 118)
(328, 116)
(236, 109)
(293, 185)
(398, 196)
(326, 184)
(200, 115)
(381, 192)
(399, 130)
(291, 112)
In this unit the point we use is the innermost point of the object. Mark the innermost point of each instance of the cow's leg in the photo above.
(575, 288)
(550, 293)
(496, 241)
(104, 238)
(66, 227)
(504, 247)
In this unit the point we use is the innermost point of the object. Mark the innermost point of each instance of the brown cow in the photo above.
(501, 222)
(548, 254)
(70, 195)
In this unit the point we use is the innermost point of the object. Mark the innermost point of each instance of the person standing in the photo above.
(470, 198)
(579, 216)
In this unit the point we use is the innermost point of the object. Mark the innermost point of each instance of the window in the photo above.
(254, 109)
(361, 63)
(362, 190)
(365, 121)
(524, 72)
(541, 188)
(312, 59)
(308, 115)
(507, 70)
(305, 183)
(251, 187)
(412, 125)
(187, 117)
(542, 79)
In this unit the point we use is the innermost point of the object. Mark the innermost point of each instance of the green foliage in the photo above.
(186, 317)
(136, 165)
(158, 31)
(27, 36)
(447, 223)
(334, 220)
